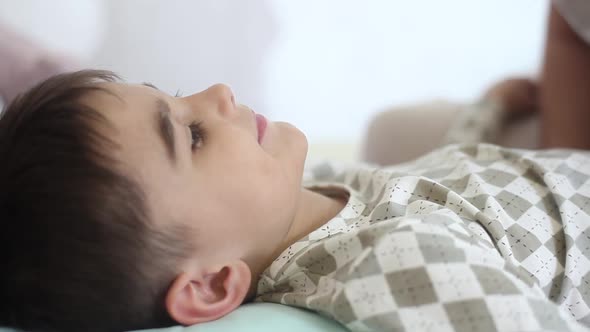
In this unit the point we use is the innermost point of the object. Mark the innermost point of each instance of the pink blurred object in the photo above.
(24, 63)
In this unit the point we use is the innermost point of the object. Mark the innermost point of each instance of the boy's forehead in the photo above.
(120, 96)
(127, 91)
(124, 106)
(128, 108)
(127, 87)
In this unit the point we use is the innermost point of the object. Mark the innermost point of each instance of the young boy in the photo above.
(125, 208)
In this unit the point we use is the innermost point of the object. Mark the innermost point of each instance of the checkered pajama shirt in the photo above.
(466, 238)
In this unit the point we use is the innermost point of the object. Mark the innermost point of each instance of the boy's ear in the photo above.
(206, 295)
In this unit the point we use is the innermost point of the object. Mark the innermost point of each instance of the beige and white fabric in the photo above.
(466, 238)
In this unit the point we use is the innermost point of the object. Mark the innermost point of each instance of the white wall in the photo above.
(346, 59)
(71, 26)
(325, 65)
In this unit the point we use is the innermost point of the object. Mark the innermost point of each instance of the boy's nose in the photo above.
(222, 97)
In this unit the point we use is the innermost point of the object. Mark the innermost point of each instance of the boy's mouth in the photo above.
(261, 124)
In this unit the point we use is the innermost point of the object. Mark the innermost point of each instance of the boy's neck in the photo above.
(314, 210)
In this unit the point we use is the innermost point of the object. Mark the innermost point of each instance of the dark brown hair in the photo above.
(78, 248)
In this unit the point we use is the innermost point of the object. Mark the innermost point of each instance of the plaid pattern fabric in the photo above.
(466, 238)
(477, 122)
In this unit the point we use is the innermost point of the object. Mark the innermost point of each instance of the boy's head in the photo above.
(123, 207)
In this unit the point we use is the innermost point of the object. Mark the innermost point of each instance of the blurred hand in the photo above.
(518, 96)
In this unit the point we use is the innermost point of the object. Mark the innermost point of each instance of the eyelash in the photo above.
(197, 131)
(197, 135)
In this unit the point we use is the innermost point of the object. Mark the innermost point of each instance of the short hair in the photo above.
(79, 250)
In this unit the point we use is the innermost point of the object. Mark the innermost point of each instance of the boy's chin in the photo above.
(285, 137)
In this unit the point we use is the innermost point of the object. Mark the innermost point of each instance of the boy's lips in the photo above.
(261, 124)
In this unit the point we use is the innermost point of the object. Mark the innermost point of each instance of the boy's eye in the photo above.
(197, 135)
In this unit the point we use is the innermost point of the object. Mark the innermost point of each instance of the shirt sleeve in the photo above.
(577, 14)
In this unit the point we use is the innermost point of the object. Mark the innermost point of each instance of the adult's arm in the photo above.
(565, 87)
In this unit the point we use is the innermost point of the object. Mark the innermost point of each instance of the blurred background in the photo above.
(326, 66)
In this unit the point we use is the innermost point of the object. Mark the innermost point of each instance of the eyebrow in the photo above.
(165, 128)
(164, 125)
